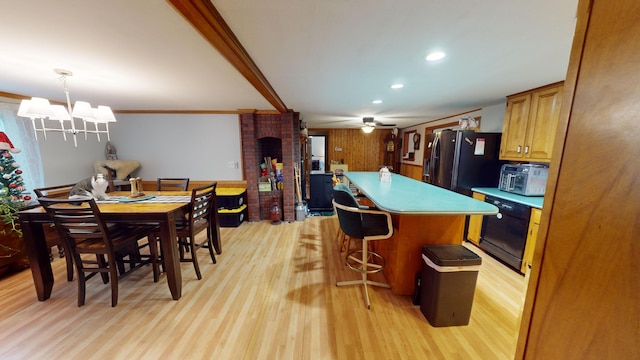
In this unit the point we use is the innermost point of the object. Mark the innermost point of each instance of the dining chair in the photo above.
(50, 233)
(172, 184)
(366, 225)
(201, 216)
(81, 225)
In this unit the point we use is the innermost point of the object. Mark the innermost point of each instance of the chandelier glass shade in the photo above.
(368, 129)
(58, 118)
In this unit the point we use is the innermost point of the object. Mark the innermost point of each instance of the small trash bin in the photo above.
(448, 282)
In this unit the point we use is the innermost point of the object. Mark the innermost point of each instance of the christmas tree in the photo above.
(11, 184)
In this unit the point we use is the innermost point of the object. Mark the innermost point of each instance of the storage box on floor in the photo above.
(232, 207)
(448, 283)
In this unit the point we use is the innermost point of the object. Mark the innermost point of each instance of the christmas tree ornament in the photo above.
(5, 143)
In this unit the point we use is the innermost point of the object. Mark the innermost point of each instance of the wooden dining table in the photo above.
(162, 213)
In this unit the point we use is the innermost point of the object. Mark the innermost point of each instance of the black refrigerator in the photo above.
(460, 160)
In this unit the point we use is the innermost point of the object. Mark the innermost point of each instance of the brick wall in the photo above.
(257, 133)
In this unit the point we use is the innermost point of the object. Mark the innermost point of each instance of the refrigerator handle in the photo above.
(434, 162)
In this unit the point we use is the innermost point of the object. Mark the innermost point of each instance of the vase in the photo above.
(275, 210)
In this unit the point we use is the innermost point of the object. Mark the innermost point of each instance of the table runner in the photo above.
(156, 199)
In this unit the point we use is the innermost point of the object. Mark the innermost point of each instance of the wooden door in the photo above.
(584, 290)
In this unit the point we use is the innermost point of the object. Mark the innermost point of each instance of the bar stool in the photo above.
(367, 225)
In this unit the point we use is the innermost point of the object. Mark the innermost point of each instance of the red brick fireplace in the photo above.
(275, 136)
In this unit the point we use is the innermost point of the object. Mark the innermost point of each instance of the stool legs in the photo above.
(364, 267)
(342, 239)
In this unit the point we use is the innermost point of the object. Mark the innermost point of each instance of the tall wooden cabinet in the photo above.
(530, 124)
(582, 298)
(392, 150)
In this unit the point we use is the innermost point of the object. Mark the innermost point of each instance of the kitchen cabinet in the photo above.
(530, 124)
(475, 222)
(532, 235)
(392, 148)
(321, 191)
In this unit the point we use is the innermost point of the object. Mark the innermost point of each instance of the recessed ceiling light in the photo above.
(376, 102)
(435, 56)
(397, 86)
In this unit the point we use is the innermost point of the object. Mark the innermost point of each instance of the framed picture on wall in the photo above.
(416, 141)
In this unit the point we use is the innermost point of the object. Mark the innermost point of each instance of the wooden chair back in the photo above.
(50, 233)
(202, 216)
(172, 184)
(203, 202)
(81, 225)
(59, 191)
(79, 222)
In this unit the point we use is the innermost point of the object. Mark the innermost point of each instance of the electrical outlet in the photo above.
(231, 164)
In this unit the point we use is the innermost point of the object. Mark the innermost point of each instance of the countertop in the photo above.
(533, 201)
(407, 196)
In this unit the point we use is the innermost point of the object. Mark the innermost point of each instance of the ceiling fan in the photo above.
(369, 125)
(369, 121)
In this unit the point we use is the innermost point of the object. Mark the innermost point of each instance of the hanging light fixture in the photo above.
(368, 125)
(41, 109)
(368, 129)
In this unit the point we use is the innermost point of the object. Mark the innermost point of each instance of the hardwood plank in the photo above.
(272, 295)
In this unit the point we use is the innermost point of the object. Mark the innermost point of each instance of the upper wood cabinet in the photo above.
(530, 123)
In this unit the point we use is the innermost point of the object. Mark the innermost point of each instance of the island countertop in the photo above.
(532, 201)
(407, 196)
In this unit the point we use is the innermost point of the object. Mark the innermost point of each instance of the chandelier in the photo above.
(43, 115)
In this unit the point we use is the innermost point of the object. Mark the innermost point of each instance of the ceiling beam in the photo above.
(204, 17)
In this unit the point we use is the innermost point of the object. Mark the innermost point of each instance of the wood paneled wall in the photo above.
(362, 152)
(411, 171)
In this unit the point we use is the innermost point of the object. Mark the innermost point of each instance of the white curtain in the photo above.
(20, 132)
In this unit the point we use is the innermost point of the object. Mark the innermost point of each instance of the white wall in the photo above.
(196, 146)
(63, 163)
(176, 145)
(492, 118)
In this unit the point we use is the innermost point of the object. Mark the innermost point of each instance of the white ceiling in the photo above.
(325, 59)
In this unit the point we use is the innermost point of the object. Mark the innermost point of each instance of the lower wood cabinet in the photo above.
(475, 223)
(532, 235)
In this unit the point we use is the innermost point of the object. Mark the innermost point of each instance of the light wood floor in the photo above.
(272, 295)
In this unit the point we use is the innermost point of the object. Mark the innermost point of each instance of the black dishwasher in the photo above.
(504, 235)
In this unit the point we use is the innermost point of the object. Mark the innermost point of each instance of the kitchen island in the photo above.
(423, 214)
(532, 201)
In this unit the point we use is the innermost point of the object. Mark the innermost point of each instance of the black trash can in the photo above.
(449, 274)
